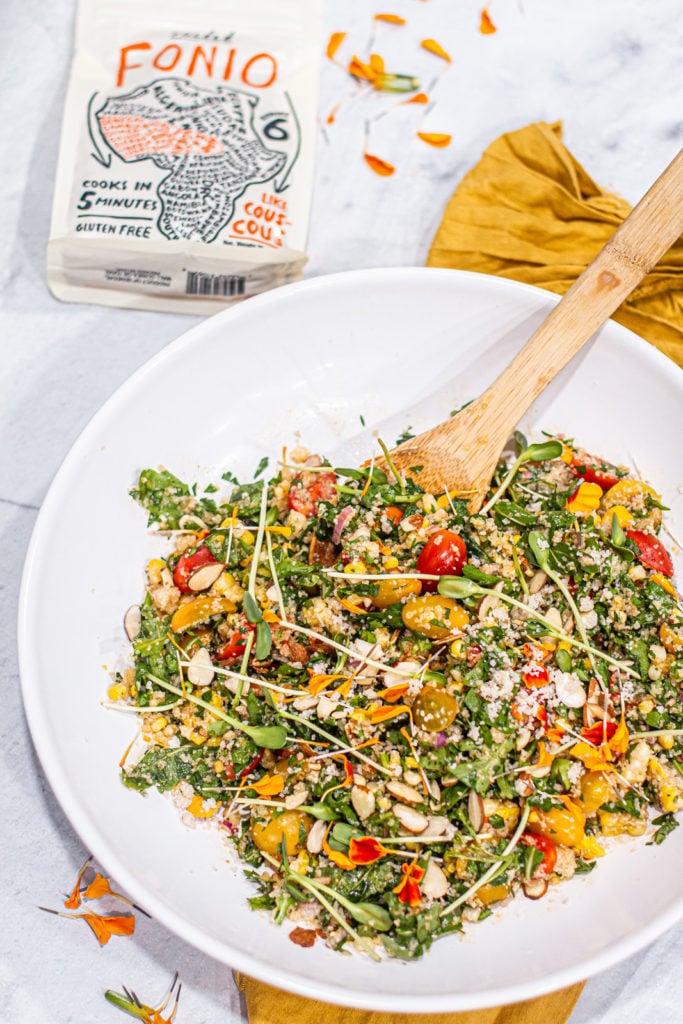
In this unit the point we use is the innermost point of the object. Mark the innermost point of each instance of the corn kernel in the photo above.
(214, 741)
(411, 763)
(666, 742)
(230, 521)
(646, 706)
(198, 738)
(216, 701)
(133, 691)
(218, 767)
(390, 562)
(247, 537)
(119, 691)
(159, 723)
(456, 648)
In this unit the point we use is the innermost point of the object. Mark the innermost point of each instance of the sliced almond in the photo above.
(475, 811)
(539, 771)
(535, 888)
(200, 671)
(205, 576)
(486, 606)
(314, 842)
(406, 794)
(554, 618)
(362, 801)
(411, 819)
(326, 706)
(434, 884)
(538, 580)
(438, 825)
(132, 622)
(569, 690)
(296, 799)
(305, 703)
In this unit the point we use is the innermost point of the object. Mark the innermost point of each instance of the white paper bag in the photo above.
(186, 157)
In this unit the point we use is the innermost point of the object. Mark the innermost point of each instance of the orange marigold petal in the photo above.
(433, 47)
(334, 42)
(419, 97)
(394, 693)
(74, 900)
(366, 850)
(377, 63)
(360, 70)
(269, 785)
(438, 140)
(104, 926)
(392, 19)
(378, 165)
(386, 714)
(98, 888)
(486, 26)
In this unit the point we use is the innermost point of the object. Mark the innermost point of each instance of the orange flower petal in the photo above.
(392, 19)
(620, 741)
(394, 693)
(419, 97)
(377, 63)
(74, 900)
(269, 785)
(98, 888)
(433, 47)
(586, 498)
(386, 714)
(360, 70)
(106, 925)
(355, 609)
(336, 856)
(408, 889)
(366, 850)
(318, 682)
(378, 165)
(486, 26)
(334, 42)
(438, 140)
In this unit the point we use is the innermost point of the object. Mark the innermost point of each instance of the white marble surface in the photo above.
(609, 70)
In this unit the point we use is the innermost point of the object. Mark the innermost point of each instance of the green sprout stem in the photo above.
(534, 453)
(272, 737)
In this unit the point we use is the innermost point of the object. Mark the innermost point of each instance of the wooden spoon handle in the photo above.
(647, 233)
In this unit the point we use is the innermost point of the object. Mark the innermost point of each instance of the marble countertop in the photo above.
(610, 71)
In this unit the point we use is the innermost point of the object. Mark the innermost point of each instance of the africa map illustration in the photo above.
(204, 138)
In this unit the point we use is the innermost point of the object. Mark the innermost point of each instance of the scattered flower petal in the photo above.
(334, 42)
(366, 850)
(433, 47)
(378, 165)
(269, 785)
(419, 97)
(391, 19)
(106, 925)
(130, 1003)
(435, 139)
(74, 900)
(359, 69)
(377, 63)
(408, 889)
(386, 714)
(486, 26)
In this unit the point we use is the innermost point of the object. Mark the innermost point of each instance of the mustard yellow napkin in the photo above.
(529, 211)
(267, 1005)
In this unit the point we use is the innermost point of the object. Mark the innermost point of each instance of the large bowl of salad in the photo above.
(334, 729)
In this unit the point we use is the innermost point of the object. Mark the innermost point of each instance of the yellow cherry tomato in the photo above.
(201, 609)
(391, 591)
(596, 790)
(434, 709)
(631, 494)
(564, 825)
(617, 823)
(492, 893)
(268, 831)
(434, 616)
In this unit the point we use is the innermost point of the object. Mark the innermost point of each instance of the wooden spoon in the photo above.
(463, 452)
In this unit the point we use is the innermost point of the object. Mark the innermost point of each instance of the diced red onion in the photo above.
(440, 740)
(340, 522)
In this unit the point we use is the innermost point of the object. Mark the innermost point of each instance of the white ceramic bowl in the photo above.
(308, 360)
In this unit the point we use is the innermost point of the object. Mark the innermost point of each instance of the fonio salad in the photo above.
(402, 714)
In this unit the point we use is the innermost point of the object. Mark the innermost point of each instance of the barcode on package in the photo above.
(214, 284)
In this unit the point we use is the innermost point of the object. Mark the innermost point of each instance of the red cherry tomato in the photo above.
(236, 645)
(594, 470)
(547, 848)
(444, 554)
(651, 552)
(188, 564)
(304, 498)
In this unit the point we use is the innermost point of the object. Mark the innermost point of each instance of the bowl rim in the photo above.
(89, 833)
